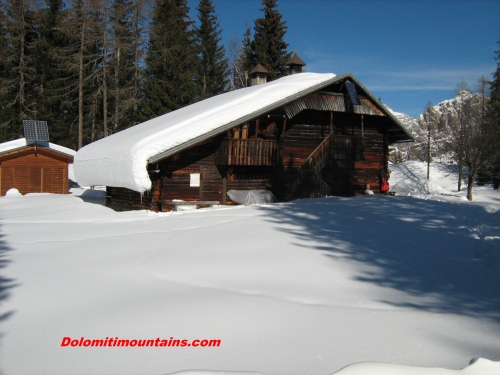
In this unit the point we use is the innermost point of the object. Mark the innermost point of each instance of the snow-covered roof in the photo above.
(21, 143)
(121, 159)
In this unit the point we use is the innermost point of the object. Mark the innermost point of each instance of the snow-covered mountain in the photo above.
(442, 119)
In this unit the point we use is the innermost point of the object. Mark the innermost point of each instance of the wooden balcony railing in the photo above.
(248, 152)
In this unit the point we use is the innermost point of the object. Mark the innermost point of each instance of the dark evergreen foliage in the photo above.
(20, 85)
(83, 67)
(268, 46)
(84, 63)
(122, 64)
(213, 70)
(493, 119)
(50, 51)
(7, 115)
(171, 60)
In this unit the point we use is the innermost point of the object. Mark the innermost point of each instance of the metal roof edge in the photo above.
(13, 149)
(31, 145)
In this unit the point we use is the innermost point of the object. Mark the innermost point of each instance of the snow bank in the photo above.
(480, 366)
(121, 159)
(306, 287)
(13, 193)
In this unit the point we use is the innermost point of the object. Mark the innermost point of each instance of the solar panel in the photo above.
(35, 130)
(353, 94)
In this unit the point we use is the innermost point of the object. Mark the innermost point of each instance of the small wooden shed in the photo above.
(30, 167)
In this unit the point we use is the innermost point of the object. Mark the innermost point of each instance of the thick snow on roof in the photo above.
(121, 159)
(21, 143)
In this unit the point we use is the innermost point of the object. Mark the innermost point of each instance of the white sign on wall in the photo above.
(194, 179)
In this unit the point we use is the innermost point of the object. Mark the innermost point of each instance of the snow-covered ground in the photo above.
(307, 287)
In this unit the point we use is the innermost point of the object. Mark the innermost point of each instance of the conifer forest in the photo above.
(91, 68)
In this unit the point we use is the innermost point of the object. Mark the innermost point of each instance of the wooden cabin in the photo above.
(330, 138)
(34, 168)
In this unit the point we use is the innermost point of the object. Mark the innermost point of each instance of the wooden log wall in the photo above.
(300, 141)
(349, 177)
(123, 199)
(176, 171)
(294, 184)
(34, 172)
(367, 171)
(174, 181)
(304, 133)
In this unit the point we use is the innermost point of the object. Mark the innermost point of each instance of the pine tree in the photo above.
(122, 66)
(50, 51)
(493, 121)
(171, 60)
(212, 75)
(268, 46)
(20, 81)
(6, 114)
(84, 63)
(137, 35)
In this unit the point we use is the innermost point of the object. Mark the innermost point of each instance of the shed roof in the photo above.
(21, 143)
(121, 159)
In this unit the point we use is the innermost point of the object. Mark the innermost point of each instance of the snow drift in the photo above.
(306, 287)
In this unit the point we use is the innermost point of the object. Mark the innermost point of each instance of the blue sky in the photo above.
(406, 52)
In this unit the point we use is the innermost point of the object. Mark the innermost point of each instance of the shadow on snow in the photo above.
(5, 283)
(423, 248)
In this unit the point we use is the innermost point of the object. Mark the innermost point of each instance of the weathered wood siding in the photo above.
(367, 171)
(174, 181)
(300, 140)
(123, 199)
(348, 177)
(225, 165)
(43, 171)
(175, 174)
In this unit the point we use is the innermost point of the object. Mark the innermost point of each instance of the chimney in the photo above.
(295, 64)
(258, 75)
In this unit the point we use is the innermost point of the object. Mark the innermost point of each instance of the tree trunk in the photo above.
(460, 176)
(470, 183)
(80, 87)
(105, 84)
(117, 88)
(22, 62)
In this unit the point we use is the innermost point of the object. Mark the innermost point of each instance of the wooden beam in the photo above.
(362, 126)
(201, 182)
(284, 128)
(224, 190)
